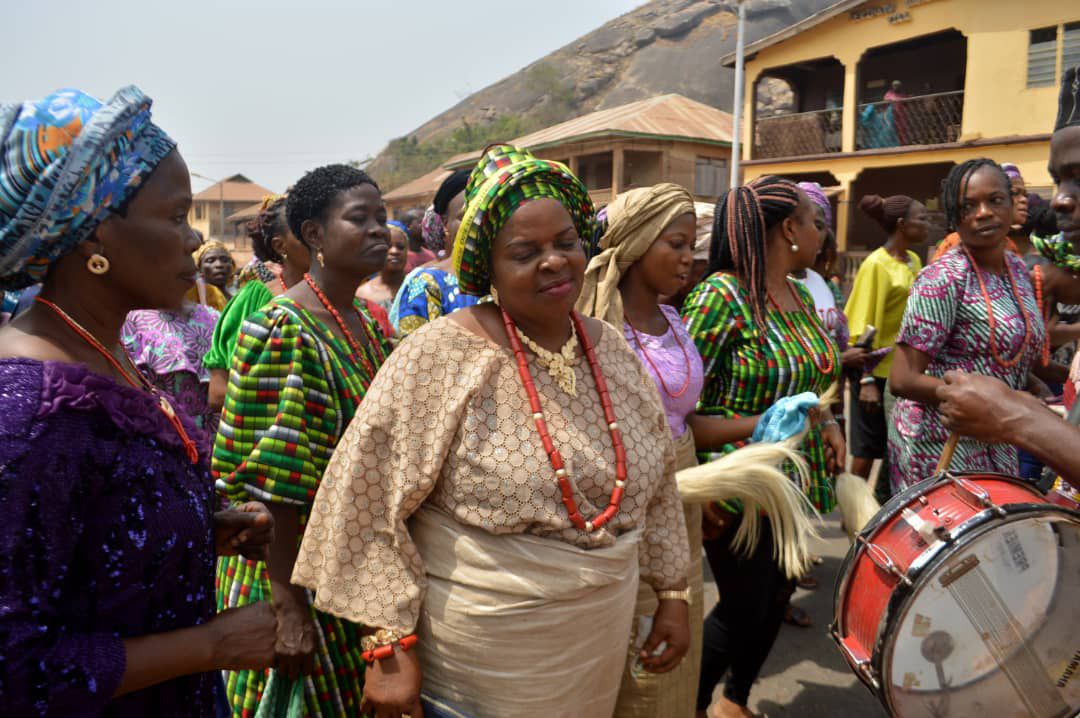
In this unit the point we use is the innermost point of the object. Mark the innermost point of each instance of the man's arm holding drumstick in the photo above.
(986, 409)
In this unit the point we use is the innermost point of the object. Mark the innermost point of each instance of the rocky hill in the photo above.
(663, 46)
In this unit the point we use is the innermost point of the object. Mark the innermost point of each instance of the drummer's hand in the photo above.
(983, 407)
(835, 448)
(392, 687)
(671, 625)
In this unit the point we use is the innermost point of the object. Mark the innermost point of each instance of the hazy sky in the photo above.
(272, 88)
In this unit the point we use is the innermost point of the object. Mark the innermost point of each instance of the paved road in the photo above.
(805, 675)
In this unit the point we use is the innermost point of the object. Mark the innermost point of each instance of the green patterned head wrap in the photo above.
(1059, 251)
(505, 178)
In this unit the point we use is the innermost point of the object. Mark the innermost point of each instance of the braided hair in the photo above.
(954, 187)
(744, 217)
(315, 191)
(269, 223)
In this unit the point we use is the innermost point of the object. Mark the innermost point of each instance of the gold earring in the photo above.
(494, 294)
(319, 257)
(98, 264)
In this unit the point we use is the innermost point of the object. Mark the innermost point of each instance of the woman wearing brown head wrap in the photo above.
(877, 299)
(647, 252)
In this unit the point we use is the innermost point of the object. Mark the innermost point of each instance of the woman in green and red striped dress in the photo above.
(301, 367)
(760, 340)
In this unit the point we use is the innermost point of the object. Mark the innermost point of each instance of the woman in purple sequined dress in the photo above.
(109, 535)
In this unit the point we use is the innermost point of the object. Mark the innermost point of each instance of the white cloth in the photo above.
(518, 626)
(824, 302)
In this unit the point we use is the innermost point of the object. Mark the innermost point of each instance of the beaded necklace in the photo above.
(828, 366)
(992, 322)
(1044, 310)
(648, 359)
(142, 383)
(358, 352)
(565, 487)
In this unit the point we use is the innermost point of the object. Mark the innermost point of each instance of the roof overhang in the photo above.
(792, 30)
(600, 135)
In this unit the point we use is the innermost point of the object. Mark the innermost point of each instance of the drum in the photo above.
(961, 598)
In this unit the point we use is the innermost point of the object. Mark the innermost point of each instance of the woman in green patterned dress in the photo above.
(760, 340)
(301, 367)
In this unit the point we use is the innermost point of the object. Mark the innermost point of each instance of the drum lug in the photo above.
(978, 493)
(883, 560)
(861, 665)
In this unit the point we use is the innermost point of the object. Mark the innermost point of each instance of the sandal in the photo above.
(797, 617)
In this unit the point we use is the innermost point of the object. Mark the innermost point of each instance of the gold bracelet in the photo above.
(381, 637)
(683, 595)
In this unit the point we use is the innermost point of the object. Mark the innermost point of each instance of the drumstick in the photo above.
(947, 454)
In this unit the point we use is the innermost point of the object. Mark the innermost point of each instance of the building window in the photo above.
(1070, 54)
(710, 177)
(199, 210)
(595, 170)
(1042, 57)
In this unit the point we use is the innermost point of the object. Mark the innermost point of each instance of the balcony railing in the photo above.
(923, 120)
(801, 133)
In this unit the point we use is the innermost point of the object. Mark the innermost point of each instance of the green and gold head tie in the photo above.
(505, 178)
(1059, 251)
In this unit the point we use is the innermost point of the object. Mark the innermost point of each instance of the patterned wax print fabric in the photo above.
(107, 535)
(878, 298)
(747, 369)
(946, 319)
(168, 347)
(425, 295)
(66, 162)
(504, 178)
(293, 388)
(1059, 251)
(447, 426)
(7, 308)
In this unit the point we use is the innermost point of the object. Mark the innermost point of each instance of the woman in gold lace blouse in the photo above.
(498, 502)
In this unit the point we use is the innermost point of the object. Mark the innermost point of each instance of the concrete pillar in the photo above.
(616, 170)
(851, 108)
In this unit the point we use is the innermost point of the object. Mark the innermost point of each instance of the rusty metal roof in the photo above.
(237, 188)
(666, 116)
(419, 187)
(670, 117)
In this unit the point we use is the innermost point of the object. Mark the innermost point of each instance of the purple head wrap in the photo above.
(817, 196)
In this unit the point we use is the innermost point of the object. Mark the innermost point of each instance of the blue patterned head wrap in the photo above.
(398, 225)
(66, 162)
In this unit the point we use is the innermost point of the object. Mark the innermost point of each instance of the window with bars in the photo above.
(1042, 57)
(710, 177)
(1070, 51)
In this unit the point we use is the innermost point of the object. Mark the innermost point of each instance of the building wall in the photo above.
(210, 222)
(1029, 157)
(998, 105)
(997, 102)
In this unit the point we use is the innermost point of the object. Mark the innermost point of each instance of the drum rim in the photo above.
(974, 528)
(879, 519)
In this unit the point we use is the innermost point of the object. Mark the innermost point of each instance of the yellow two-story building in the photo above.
(884, 97)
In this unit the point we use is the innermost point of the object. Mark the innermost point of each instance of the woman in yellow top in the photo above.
(878, 299)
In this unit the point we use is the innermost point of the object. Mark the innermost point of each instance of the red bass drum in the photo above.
(961, 598)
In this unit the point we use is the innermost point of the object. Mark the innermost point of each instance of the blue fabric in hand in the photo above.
(785, 418)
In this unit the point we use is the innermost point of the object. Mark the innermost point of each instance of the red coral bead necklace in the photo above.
(825, 367)
(554, 456)
(358, 352)
(163, 403)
